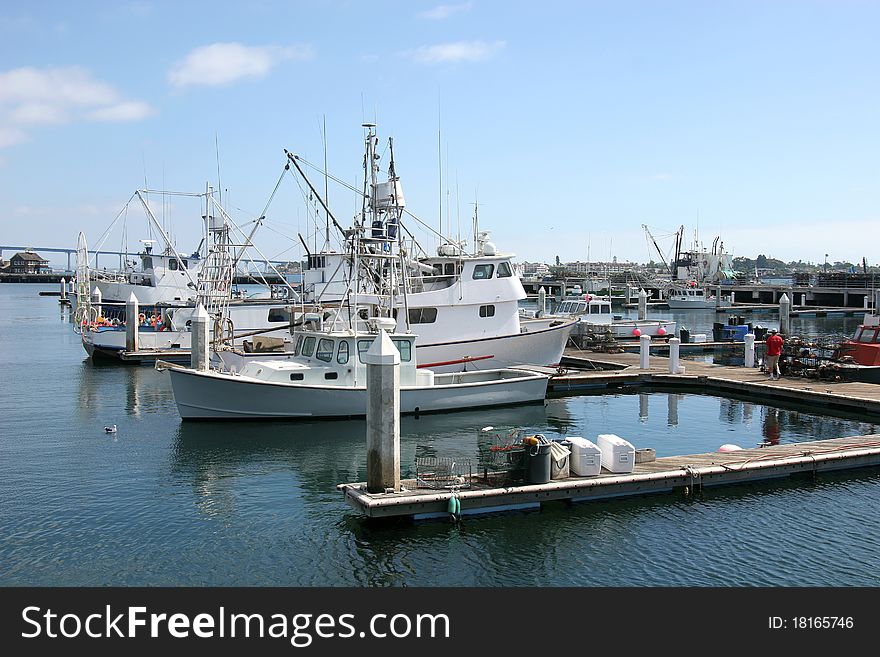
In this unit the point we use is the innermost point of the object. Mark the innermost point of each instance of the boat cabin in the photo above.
(322, 358)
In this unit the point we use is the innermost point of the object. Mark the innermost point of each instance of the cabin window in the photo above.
(450, 269)
(296, 376)
(279, 315)
(342, 354)
(363, 347)
(405, 349)
(422, 315)
(298, 350)
(867, 335)
(487, 311)
(483, 271)
(172, 265)
(331, 375)
(308, 346)
(325, 350)
(504, 270)
(185, 264)
(147, 263)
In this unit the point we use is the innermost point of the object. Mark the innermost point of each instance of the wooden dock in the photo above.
(683, 474)
(615, 371)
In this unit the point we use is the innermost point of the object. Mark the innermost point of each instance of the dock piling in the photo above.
(784, 314)
(383, 415)
(750, 350)
(132, 310)
(64, 289)
(96, 301)
(199, 354)
(645, 352)
(643, 304)
(542, 302)
(673, 355)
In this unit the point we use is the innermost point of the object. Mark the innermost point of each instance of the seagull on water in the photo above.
(110, 429)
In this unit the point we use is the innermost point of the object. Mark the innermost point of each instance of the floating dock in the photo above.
(663, 475)
(621, 370)
(618, 371)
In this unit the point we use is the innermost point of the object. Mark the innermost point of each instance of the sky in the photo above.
(570, 125)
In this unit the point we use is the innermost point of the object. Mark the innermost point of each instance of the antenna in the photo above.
(326, 193)
(217, 153)
(440, 168)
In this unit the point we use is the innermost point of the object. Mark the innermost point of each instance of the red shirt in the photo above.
(774, 345)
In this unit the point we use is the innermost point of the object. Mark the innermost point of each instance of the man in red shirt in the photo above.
(774, 351)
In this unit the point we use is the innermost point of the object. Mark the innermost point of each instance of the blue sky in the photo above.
(571, 123)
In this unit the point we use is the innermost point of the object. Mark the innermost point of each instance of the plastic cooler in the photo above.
(586, 457)
(618, 455)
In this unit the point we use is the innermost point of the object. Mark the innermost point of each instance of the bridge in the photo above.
(121, 255)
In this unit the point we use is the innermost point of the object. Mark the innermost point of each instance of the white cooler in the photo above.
(586, 458)
(618, 455)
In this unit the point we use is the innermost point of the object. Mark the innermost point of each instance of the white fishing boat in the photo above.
(325, 376)
(165, 326)
(595, 315)
(689, 298)
(463, 306)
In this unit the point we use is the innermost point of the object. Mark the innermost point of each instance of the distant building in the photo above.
(28, 262)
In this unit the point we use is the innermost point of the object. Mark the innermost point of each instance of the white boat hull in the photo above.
(698, 304)
(540, 342)
(213, 395)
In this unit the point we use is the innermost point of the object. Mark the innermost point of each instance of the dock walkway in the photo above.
(623, 370)
(663, 475)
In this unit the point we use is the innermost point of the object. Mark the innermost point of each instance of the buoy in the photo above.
(110, 429)
(487, 428)
(661, 331)
(637, 332)
(729, 447)
(454, 506)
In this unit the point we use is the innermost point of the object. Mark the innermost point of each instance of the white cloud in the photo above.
(10, 136)
(38, 113)
(224, 63)
(132, 110)
(62, 86)
(459, 51)
(442, 12)
(30, 97)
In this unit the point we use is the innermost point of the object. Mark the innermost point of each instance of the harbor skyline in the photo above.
(570, 124)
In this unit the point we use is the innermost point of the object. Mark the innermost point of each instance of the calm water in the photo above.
(167, 503)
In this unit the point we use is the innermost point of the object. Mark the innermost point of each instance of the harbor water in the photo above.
(163, 502)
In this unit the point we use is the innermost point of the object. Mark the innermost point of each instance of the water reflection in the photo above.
(672, 409)
(306, 460)
(140, 390)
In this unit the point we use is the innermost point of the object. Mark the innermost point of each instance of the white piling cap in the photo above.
(382, 351)
(201, 315)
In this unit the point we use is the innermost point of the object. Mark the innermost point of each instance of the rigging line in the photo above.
(424, 225)
(106, 234)
(329, 175)
(292, 158)
(274, 191)
(309, 207)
